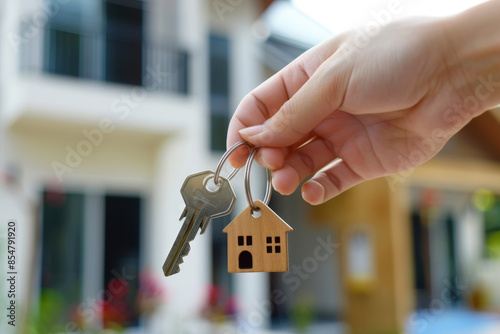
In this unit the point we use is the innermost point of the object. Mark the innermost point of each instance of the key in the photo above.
(202, 205)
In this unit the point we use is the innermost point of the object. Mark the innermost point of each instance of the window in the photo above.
(106, 40)
(64, 53)
(90, 251)
(276, 246)
(241, 240)
(62, 267)
(121, 253)
(219, 92)
(124, 43)
(64, 40)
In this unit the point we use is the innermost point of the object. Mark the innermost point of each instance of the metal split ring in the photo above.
(223, 160)
(267, 197)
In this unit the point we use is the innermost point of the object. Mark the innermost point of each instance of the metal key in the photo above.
(202, 205)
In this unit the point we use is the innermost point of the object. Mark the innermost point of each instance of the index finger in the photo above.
(265, 100)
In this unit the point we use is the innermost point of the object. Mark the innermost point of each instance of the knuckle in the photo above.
(267, 137)
(307, 162)
(333, 182)
(282, 119)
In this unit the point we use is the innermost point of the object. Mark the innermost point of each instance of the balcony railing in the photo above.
(162, 67)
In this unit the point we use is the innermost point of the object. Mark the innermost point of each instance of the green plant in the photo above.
(302, 314)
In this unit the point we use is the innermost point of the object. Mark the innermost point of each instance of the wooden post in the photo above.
(372, 221)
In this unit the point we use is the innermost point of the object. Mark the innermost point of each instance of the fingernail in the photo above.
(313, 196)
(274, 186)
(252, 131)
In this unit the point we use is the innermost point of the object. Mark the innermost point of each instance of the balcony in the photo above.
(78, 77)
(109, 58)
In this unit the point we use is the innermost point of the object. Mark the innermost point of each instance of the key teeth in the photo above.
(184, 213)
(186, 250)
(174, 271)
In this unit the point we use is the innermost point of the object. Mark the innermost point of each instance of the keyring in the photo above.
(223, 160)
(267, 198)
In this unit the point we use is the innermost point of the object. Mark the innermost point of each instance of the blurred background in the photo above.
(107, 105)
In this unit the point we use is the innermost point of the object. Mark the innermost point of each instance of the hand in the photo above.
(383, 108)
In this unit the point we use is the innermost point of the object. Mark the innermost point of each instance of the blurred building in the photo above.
(106, 106)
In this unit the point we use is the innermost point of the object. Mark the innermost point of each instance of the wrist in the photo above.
(473, 54)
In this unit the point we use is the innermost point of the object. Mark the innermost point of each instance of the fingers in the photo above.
(330, 182)
(314, 101)
(301, 163)
(261, 104)
(265, 101)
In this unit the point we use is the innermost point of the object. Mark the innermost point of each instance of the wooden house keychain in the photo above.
(257, 239)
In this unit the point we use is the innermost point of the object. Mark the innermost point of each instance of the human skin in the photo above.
(409, 90)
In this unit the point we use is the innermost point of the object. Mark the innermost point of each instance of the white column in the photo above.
(180, 155)
(253, 289)
(93, 244)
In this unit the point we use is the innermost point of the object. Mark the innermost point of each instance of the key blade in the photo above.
(202, 205)
(186, 234)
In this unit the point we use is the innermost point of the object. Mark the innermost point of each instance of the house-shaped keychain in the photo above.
(257, 243)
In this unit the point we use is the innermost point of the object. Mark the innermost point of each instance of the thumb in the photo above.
(322, 94)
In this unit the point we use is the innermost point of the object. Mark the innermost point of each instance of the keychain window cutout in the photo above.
(277, 247)
(241, 240)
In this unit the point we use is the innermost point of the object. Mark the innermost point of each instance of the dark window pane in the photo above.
(61, 272)
(269, 240)
(277, 240)
(220, 276)
(219, 65)
(249, 240)
(240, 241)
(181, 72)
(63, 56)
(219, 91)
(218, 132)
(278, 249)
(124, 43)
(121, 254)
(269, 249)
